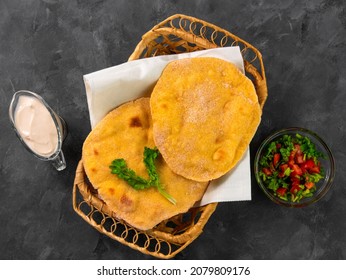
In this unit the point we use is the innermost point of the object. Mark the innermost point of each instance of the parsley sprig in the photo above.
(120, 168)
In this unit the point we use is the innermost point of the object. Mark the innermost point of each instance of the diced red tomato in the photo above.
(276, 159)
(295, 178)
(283, 167)
(292, 155)
(299, 159)
(310, 166)
(297, 148)
(267, 171)
(295, 188)
(298, 171)
(309, 163)
(315, 169)
(278, 145)
(295, 181)
(281, 191)
(290, 163)
(309, 185)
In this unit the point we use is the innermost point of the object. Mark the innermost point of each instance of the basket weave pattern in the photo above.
(176, 34)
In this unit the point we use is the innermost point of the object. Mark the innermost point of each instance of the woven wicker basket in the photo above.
(176, 34)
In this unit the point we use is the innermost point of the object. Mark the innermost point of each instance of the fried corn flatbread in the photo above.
(124, 133)
(205, 113)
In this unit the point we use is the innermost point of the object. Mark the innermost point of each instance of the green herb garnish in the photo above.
(120, 168)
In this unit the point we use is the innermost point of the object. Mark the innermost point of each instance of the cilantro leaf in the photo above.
(120, 168)
(149, 157)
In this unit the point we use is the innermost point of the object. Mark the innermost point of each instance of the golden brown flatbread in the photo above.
(205, 113)
(124, 133)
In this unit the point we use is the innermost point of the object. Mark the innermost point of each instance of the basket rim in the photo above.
(159, 26)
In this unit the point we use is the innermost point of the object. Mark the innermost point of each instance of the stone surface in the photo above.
(46, 46)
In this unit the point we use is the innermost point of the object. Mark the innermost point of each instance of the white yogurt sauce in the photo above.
(36, 126)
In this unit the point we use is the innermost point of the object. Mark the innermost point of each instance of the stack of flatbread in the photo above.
(201, 115)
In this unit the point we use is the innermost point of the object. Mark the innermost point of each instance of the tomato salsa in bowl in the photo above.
(294, 167)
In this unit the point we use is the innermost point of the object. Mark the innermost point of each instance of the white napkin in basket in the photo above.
(110, 87)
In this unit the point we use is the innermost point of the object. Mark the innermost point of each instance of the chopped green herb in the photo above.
(120, 168)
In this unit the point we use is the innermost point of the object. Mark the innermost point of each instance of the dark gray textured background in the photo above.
(46, 46)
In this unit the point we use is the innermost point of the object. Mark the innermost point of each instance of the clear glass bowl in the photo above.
(327, 163)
